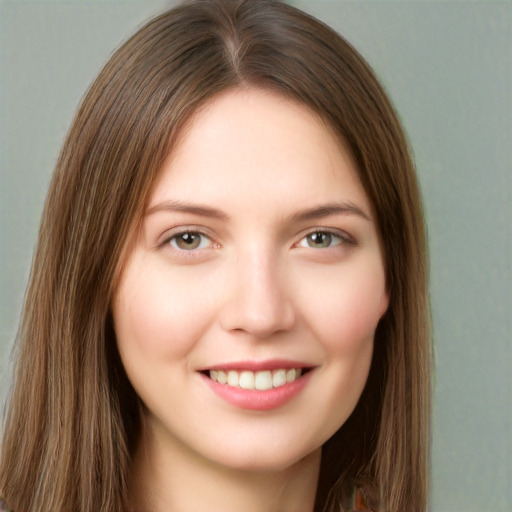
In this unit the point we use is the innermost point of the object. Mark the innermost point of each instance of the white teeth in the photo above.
(233, 378)
(279, 378)
(263, 380)
(292, 374)
(246, 380)
(260, 381)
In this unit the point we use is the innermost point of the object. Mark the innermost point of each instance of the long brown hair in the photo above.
(73, 417)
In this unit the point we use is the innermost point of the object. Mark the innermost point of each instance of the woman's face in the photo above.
(246, 312)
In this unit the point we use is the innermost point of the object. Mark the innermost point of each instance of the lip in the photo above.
(254, 399)
(257, 366)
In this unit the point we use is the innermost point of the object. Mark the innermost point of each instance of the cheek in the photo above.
(345, 314)
(157, 315)
(344, 322)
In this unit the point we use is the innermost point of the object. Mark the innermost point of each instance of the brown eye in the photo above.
(319, 240)
(323, 240)
(189, 241)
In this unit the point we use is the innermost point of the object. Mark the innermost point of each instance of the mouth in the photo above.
(258, 386)
(262, 380)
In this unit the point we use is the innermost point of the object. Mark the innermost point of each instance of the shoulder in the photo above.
(360, 501)
(3, 506)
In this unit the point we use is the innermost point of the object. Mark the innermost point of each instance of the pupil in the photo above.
(188, 241)
(320, 239)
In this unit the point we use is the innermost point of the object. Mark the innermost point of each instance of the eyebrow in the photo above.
(316, 212)
(326, 210)
(177, 206)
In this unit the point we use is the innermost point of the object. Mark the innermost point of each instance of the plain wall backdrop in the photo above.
(447, 65)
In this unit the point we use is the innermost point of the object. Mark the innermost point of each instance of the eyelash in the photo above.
(342, 237)
(193, 232)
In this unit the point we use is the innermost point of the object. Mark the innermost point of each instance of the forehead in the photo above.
(248, 143)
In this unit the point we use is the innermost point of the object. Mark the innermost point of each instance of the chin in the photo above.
(274, 459)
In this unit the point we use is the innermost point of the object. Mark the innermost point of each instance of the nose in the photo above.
(257, 301)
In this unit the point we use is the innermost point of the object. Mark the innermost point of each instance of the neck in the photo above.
(181, 481)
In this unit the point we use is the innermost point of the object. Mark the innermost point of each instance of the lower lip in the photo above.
(259, 400)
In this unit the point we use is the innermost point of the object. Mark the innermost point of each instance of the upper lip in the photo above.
(255, 366)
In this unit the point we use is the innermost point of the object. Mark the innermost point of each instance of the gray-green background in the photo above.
(448, 68)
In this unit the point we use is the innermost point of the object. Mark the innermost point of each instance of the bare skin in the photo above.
(186, 483)
(258, 260)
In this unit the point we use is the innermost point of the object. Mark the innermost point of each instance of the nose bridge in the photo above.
(258, 301)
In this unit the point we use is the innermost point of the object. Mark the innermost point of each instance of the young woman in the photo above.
(228, 305)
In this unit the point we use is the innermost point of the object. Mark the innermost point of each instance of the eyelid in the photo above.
(346, 238)
(168, 235)
(171, 233)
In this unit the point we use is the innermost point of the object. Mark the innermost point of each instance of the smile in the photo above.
(258, 386)
(260, 380)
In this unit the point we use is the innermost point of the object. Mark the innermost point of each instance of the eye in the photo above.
(321, 240)
(189, 241)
